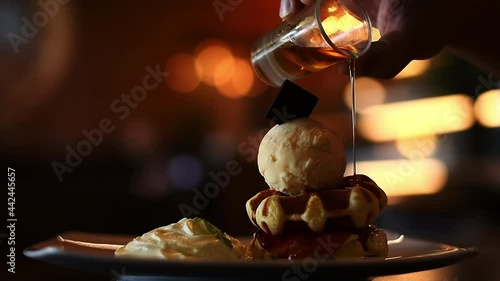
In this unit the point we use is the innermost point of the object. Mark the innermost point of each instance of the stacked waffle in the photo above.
(310, 208)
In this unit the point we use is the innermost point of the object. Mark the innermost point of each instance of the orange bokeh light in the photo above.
(215, 61)
(369, 92)
(487, 108)
(405, 177)
(224, 70)
(417, 147)
(239, 83)
(417, 118)
(414, 68)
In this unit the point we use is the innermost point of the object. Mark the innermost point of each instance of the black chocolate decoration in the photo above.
(292, 102)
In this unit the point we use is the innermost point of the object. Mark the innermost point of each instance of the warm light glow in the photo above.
(405, 177)
(212, 55)
(332, 9)
(224, 70)
(240, 82)
(182, 77)
(413, 69)
(243, 79)
(417, 148)
(369, 92)
(375, 34)
(487, 108)
(416, 118)
(332, 24)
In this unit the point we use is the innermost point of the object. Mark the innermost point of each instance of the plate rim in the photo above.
(372, 267)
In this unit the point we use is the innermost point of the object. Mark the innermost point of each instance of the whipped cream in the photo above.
(186, 239)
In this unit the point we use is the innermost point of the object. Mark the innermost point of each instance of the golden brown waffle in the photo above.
(367, 183)
(353, 205)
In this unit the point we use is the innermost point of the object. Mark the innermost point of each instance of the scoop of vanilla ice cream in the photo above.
(301, 155)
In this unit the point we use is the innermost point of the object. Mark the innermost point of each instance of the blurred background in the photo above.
(99, 147)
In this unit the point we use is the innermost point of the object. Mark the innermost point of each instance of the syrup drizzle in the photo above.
(351, 61)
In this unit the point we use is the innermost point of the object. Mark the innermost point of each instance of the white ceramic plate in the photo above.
(95, 253)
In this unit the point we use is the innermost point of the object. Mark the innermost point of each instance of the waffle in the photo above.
(352, 205)
(368, 242)
(367, 183)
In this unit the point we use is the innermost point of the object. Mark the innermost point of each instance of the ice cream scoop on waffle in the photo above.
(310, 208)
